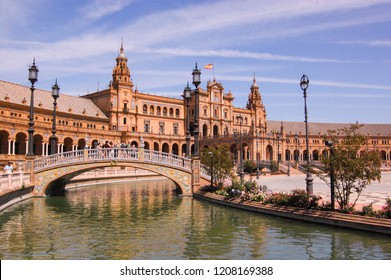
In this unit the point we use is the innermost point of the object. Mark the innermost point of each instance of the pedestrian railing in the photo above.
(111, 154)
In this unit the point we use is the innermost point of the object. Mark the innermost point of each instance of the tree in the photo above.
(352, 163)
(218, 162)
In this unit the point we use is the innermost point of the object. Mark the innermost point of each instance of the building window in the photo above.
(145, 109)
(161, 127)
(171, 112)
(151, 110)
(158, 111)
(177, 113)
(205, 112)
(146, 126)
(175, 128)
(165, 112)
(124, 120)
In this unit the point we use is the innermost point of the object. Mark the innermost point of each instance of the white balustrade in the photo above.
(104, 154)
(14, 181)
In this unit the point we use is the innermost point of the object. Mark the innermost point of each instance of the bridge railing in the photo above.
(132, 154)
(114, 154)
(14, 181)
(167, 159)
(58, 159)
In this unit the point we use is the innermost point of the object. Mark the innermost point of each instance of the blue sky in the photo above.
(343, 46)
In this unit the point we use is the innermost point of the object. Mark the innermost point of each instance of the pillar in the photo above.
(9, 146)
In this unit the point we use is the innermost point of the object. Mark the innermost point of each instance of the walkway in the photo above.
(375, 193)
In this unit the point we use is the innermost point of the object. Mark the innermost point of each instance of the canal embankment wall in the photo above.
(369, 224)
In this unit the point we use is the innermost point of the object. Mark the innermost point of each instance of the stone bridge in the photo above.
(52, 173)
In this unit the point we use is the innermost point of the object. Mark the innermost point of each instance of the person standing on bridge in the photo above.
(8, 168)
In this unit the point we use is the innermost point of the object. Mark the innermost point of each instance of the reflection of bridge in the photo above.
(52, 173)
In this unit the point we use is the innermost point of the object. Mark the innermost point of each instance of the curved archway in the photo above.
(215, 131)
(183, 150)
(134, 144)
(205, 130)
(37, 146)
(315, 155)
(49, 185)
(287, 155)
(175, 149)
(81, 144)
(4, 135)
(383, 155)
(269, 152)
(146, 145)
(165, 148)
(156, 146)
(21, 143)
(68, 143)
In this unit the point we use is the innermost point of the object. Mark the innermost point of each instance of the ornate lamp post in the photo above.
(304, 82)
(53, 139)
(330, 144)
(33, 77)
(187, 97)
(196, 82)
(241, 173)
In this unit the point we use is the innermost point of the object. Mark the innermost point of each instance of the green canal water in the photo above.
(147, 220)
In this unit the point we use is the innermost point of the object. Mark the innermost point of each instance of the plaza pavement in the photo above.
(375, 193)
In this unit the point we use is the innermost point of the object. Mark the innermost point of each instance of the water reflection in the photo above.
(146, 220)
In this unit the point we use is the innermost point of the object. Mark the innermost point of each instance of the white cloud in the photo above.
(373, 43)
(101, 8)
(237, 54)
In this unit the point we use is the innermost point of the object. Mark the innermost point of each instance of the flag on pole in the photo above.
(209, 66)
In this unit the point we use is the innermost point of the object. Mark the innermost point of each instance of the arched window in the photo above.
(158, 111)
(165, 111)
(171, 112)
(145, 109)
(177, 112)
(151, 110)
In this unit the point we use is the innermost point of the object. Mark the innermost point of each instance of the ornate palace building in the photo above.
(121, 113)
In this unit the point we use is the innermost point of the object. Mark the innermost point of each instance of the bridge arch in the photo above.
(52, 173)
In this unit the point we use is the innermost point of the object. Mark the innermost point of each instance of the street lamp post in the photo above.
(241, 173)
(278, 150)
(304, 81)
(33, 77)
(196, 82)
(187, 96)
(330, 144)
(53, 139)
(257, 153)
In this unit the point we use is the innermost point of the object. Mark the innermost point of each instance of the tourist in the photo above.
(8, 168)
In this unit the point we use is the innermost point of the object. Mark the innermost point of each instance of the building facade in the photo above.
(121, 113)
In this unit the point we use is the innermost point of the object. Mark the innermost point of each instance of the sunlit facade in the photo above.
(121, 113)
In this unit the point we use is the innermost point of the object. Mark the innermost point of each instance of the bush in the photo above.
(385, 211)
(249, 166)
(368, 211)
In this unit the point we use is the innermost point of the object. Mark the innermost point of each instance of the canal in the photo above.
(147, 220)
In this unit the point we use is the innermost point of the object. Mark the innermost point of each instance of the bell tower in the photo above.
(257, 108)
(121, 72)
